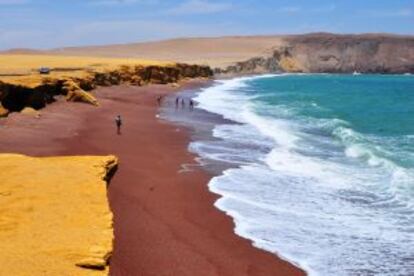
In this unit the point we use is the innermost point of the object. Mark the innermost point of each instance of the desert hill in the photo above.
(316, 52)
(215, 52)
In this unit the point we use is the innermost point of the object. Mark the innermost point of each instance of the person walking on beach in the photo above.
(118, 122)
(182, 103)
(191, 104)
(159, 100)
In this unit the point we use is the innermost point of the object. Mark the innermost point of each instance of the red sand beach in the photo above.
(165, 222)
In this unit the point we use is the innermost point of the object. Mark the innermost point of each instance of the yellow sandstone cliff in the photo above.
(54, 215)
(22, 85)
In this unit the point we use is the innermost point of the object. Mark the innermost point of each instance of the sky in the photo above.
(59, 23)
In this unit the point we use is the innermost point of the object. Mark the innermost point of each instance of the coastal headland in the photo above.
(55, 216)
(23, 86)
(164, 221)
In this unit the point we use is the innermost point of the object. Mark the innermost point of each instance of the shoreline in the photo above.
(201, 124)
(165, 222)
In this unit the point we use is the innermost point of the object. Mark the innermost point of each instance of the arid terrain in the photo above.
(53, 220)
(215, 52)
(318, 52)
(22, 85)
(195, 244)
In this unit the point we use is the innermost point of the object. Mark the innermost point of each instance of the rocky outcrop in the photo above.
(349, 53)
(30, 112)
(16, 95)
(76, 94)
(54, 215)
(257, 65)
(329, 53)
(3, 111)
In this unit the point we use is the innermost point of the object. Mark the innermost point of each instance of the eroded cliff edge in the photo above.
(331, 53)
(54, 215)
(73, 78)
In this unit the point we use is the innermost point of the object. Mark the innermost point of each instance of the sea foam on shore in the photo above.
(317, 175)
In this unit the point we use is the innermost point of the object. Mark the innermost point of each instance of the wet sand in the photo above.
(165, 222)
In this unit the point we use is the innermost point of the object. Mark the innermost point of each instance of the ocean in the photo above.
(318, 169)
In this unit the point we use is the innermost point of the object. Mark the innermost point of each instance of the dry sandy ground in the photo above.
(22, 69)
(54, 215)
(216, 52)
(309, 49)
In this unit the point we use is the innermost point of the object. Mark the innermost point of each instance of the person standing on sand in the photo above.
(177, 100)
(159, 100)
(191, 104)
(182, 103)
(118, 122)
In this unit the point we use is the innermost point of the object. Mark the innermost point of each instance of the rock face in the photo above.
(54, 215)
(3, 111)
(16, 96)
(349, 53)
(257, 65)
(30, 112)
(76, 94)
(329, 53)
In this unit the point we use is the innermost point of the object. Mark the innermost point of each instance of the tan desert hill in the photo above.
(216, 52)
(315, 52)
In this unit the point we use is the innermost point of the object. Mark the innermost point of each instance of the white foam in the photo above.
(324, 214)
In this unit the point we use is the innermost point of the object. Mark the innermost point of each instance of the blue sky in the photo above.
(50, 24)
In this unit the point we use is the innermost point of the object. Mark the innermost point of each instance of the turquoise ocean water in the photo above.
(322, 168)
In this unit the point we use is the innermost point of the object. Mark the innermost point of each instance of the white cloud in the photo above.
(200, 7)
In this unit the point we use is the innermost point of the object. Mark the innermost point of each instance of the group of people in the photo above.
(181, 101)
(178, 102)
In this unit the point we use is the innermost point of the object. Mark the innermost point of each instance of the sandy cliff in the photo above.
(317, 52)
(54, 215)
(73, 77)
(329, 53)
(348, 53)
(214, 52)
